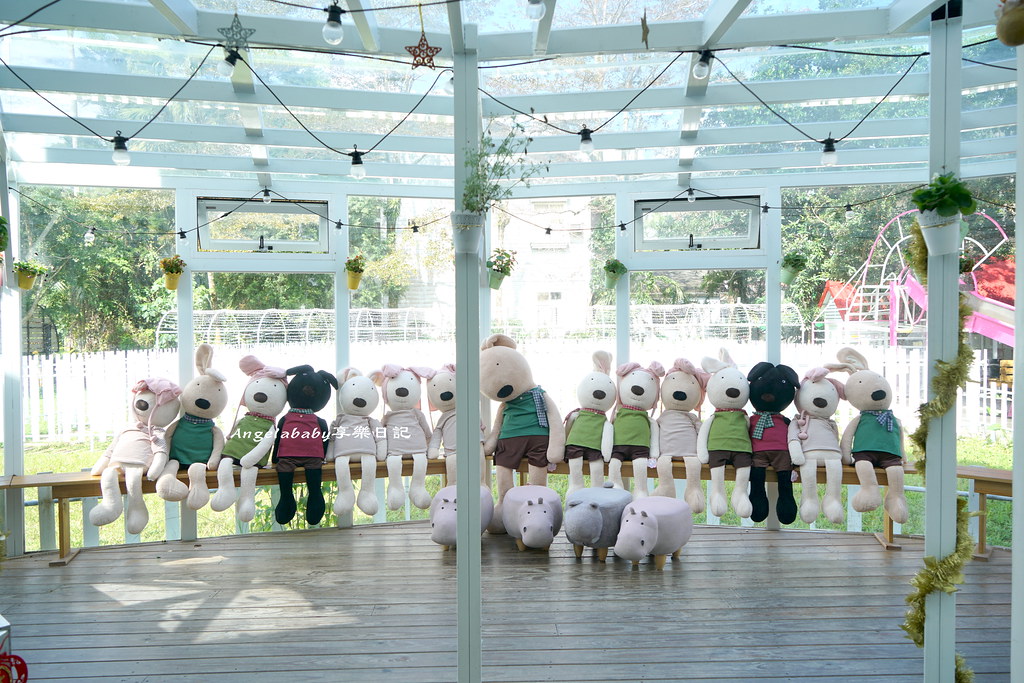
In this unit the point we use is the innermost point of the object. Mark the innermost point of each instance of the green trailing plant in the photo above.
(502, 261)
(173, 264)
(967, 264)
(614, 266)
(355, 264)
(30, 267)
(492, 164)
(4, 235)
(794, 261)
(946, 195)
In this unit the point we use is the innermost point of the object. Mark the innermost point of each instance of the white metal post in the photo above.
(10, 342)
(1017, 570)
(624, 213)
(943, 338)
(342, 303)
(185, 208)
(771, 239)
(467, 382)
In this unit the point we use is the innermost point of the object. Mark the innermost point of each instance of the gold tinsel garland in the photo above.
(940, 574)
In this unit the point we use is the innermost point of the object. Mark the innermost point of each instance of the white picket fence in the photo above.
(83, 397)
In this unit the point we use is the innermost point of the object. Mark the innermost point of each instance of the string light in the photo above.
(702, 69)
(764, 209)
(89, 238)
(358, 170)
(586, 142)
(120, 155)
(337, 224)
(828, 152)
(266, 195)
(622, 227)
(181, 235)
(536, 9)
(849, 212)
(691, 196)
(333, 30)
(415, 228)
(547, 231)
(449, 87)
(226, 67)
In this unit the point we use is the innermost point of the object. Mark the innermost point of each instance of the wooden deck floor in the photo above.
(377, 604)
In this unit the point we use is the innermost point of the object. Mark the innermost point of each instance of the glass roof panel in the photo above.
(582, 13)
(764, 7)
(261, 7)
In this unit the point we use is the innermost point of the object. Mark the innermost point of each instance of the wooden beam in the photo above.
(181, 13)
(719, 18)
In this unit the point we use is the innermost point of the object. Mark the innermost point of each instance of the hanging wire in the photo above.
(340, 223)
(368, 9)
(26, 18)
(994, 66)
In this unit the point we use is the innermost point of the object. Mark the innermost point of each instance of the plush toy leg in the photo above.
(615, 473)
(505, 482)
(136, 516)
(832, 503)
(758, 495)
(346, 497)
(537, 476)
(245, 508)
(451, 470)
(418, 485)
(694, 492)
(869, 497)
(396, 490)
(640, 478)
(740, 499)
(367, 499)
(895, 498)
(575, 475)
(111, 506)
(596, 474)
(785, 507)
(666, 484)
(285, 510)
(717, 493)
(809, 490)
(316, 506)
(198, 492)
(226, 494)
(167, 485)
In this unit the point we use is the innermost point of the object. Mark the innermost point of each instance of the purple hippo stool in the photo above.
(442, 515)
(532, 516)
(655, 526)
(593, 516)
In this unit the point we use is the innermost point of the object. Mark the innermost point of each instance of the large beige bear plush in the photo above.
(527, 423)
(155, 405)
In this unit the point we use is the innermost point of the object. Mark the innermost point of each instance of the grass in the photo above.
(993, 450)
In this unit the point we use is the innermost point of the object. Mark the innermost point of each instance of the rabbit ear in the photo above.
(328, 377)
(603, 362)
(498, 340)
(422, 372)
(448, 367)
(626, 368)
(853, 358)
(723, 355)
(712, 365)
(840, 387)
(840, 367)
(377, 377)
(215, 374)
(656, 369)
(790, 374)
(345, 374)
(204, 356)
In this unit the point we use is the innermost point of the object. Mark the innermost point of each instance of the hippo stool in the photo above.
(442, 515)
(656, 526)
(532, 515)
(592, 518)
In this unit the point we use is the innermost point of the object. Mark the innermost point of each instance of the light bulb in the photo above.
(449, 87)
(702, 69)
(266, 195)
(89, 238)
(536, 9)
(333, 30)
(828, 152)
(849, 212)
(358, 170)
(120, 155)
(226, 67)
(691, 196)
(586, 143)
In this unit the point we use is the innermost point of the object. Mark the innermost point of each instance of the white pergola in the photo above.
(104, 60)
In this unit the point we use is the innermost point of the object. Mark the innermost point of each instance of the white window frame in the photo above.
(207, 205)
(751, 240)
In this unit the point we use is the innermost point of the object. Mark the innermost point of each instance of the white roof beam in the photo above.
(542, 29)
(455, 27)
(905, 14)
(366, 25)
(181, 13)
(719, 18)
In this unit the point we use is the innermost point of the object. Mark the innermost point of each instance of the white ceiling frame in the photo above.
(455, 27)
(542, 29)
(904, 14)
(366, 25)
(181, 13)
(719, 18)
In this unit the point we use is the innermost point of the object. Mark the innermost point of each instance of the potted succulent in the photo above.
(1010, 22)
(613, 270)
(27, 272)
(173, 267)
(354, 267)
(500, 264)
(942, 203)
(792, 263)
(488, 168)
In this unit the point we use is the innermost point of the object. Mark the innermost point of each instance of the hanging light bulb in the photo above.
(828, 152)
(586, 143)
(333, 30)
(764, 209)
(181, 234)
(547, 231)
(358, 171)
(449, 86)
(266, 195)
(691, 196)
(226, 67)
(89, 238)
(536, 9)
(622, 227)
(415, 228)
(337, 225)
(702, 69)
(849, 212)
(120, 155)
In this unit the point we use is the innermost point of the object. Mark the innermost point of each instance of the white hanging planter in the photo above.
(941, 233)
(467, 229)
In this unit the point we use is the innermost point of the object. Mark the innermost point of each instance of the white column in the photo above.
(771, 237)
(1017, 571)
(624, 212)
(467, 383)
(943, 338)
(339, 240)
(185, 209)
(10, 343)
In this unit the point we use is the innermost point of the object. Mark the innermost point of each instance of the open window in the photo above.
(293, 226)
(707, 223)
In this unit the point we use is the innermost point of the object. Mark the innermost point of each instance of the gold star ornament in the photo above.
(423, 52)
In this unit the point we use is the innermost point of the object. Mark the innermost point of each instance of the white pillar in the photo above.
(943, 339)
(10, 342)
(1017, 571)
(467, 383)
(624, 213)
(342, 302)
(771, 237)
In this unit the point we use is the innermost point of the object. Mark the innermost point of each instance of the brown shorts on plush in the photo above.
(878, 459)
(511, 451)
(631, 453)
(291, 464)
(590, 454)
(777, 460)
(734, 458)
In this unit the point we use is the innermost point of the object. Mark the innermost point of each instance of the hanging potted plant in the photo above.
(27, 272)
(489, 167)
(354, 267)
(1010, 22)
(942, 203)
(967, 281)
(500, 264)
(173, 267)
(792, 263)
(613, 270)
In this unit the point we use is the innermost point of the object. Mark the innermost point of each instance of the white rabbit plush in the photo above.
(251, 437)
(354, 434)
(635, 433)
(193, 440)
(441, 396)
(724, 438)
(408, 432)
(874, 438)
(588, 433)
(814, 440)
(155, 405)
(682, 392)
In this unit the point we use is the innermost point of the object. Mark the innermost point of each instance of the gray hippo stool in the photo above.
(657, 526)
(593, 516)
(532, 515)
(442, 515)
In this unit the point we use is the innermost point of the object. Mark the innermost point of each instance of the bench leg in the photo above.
(886, 537)
(982, 551)
(65, 552)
